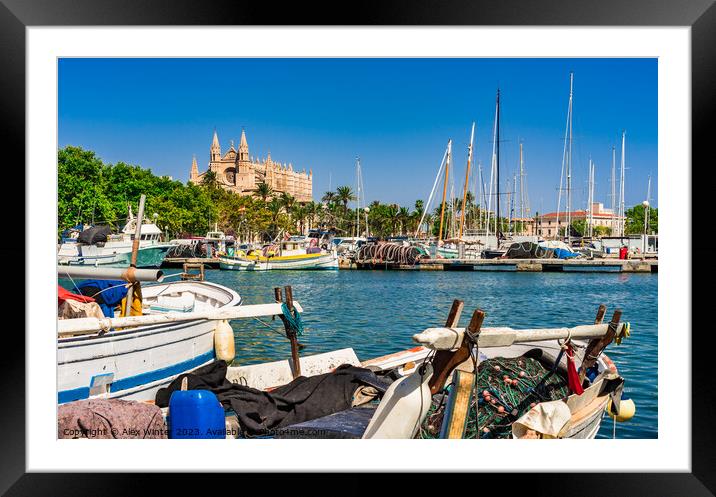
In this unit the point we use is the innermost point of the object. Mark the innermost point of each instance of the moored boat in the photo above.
(97, 246)
(134, 362)
(284, 255)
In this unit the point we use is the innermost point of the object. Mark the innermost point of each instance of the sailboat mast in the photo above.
(646, 207)
(467, 178)
(447, 174)
(614, 181)
(522, 186)
(358, 195)
(621, 189)
(569, 164)
(498, 230)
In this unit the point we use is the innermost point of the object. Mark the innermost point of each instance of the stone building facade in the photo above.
(547, 226)
(239, 172)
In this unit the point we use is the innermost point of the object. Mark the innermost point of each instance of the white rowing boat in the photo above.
(133, 363)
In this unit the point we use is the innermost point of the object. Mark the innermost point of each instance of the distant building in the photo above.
(236, 171)
(547, 223)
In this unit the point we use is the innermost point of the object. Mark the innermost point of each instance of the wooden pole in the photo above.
(467, 178)
(135, 251)
(292, 335)
(442, 209)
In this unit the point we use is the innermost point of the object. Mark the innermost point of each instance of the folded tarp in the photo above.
(94, 235)
(303, 399)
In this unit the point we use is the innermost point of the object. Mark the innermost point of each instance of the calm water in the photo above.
(376, 313)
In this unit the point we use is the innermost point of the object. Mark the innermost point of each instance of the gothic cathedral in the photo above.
(237, 172)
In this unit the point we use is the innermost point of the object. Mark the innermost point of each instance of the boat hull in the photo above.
(84, 255)
(134, 363)
(308, 262)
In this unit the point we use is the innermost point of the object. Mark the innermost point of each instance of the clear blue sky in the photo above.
(396, 114)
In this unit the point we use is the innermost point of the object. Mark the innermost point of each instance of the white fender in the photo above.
(224, 341)
(404, 406)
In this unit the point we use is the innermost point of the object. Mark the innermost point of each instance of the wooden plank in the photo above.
(504, 337)
(91, 325)
(458, 405)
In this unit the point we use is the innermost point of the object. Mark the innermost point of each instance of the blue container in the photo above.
(195, 414)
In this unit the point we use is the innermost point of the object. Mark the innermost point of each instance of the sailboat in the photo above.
(499, 250)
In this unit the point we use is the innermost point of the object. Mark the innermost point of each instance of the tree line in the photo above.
(90, 191)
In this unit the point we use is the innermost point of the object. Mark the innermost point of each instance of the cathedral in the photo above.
(239, 173)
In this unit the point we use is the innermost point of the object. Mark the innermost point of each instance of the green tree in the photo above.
(635, 220)
(263, 191)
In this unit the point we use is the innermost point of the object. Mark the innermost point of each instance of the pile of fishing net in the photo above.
(506, 389)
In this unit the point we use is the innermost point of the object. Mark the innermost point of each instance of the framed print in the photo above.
(435, 222)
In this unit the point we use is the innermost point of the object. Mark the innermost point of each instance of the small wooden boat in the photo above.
(134, 362)
(286, 255)
(434, 367)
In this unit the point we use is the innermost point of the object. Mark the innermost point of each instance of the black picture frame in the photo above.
(700, 15)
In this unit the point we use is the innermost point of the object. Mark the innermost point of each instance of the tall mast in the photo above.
(522, 186)
(498, 230)
(447, 173)
(569, 164)
(621, 188)
(467, 178)
(513, 194)
(614, 181)
(590, 200)
(359, 193)
(646, 207)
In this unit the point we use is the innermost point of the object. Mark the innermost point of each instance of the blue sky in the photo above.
(396, 114)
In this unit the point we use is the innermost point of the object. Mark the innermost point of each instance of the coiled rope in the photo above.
(292, 320)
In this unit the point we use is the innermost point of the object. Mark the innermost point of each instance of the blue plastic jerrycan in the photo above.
(195, 414)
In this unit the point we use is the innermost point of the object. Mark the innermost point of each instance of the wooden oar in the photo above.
(91, 325)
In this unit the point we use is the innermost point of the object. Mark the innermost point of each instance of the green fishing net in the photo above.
(506, 389)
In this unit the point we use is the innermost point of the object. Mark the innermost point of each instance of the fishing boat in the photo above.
(283, 255)
(133, 362)
(97, 246)
(441, 368)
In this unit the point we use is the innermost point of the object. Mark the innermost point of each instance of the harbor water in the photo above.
(377, 312)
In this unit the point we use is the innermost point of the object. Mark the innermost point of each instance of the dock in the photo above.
(519, 265)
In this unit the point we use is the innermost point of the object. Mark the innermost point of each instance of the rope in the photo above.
(293, 320)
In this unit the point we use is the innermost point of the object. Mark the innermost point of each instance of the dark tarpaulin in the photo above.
(259, 412)
(94, 235)
(528, 250)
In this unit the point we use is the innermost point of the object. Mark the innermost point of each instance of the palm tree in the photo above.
(344, 194)
(329, 197)
(391, 215)
(263, 191)
(287, 201)
(403, 216)
(300, 214)
(210, 180)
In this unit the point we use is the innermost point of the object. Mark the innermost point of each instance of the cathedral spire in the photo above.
(215, 148)
(243, 148)
(194, 169)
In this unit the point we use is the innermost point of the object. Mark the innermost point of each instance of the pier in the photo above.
(519, 265)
